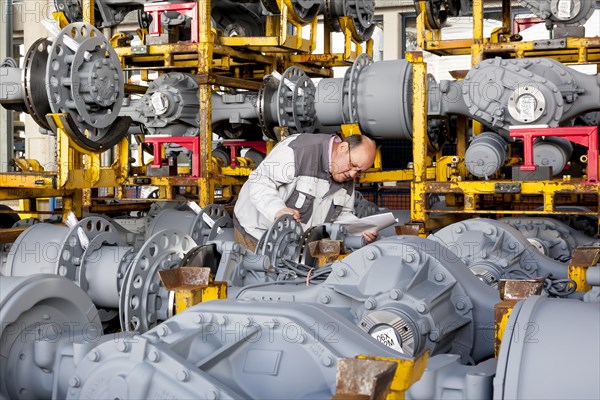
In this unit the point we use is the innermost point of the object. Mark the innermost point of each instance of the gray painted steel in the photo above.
(552, 152)
(38, 314)
(494, 250)
(486, 154)
(539, 327)
(552, 237)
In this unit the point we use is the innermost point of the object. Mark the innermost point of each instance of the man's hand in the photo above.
(369, 236)
(294, 213)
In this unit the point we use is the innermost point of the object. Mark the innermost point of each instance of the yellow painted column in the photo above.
(205, 56)
(418, 195)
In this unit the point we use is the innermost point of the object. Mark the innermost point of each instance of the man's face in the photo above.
(349, 163)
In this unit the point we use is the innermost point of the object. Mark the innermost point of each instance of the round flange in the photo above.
(36, 99)
(85, 82)
(350, 88)
(71, 251)
(296, 107)
(143, 301)
(211, 219)
(281, 241)
(303, 11)
(267, 117)
(362, 14)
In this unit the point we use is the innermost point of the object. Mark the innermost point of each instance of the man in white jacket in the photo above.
(309, 176)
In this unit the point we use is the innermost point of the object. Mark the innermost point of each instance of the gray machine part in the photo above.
(78, 74)
(143, 300)
(238, 18)
(552, 152)
(551, 237)
(364, 208)
(446, 378)
(592, 277)
(538, 327)
(591, 119)
(486, 154)
(561, 12)
(503, 93)
(227, 350)
(287, 102)
(240, 267)
(212, 223)
(282, 241)
(374, 95)
(494, 250)
(296, 101)
(361, 12)
(405, 289)
(56, 249)
(169, 107)
(37, 313)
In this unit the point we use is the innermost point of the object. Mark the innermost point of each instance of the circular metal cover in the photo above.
(34, 85)
(296, 107)
(350, 88)
(281, 241)
(266, 119)
(143, 301)
(68, 92)
(303, 11)
(362, 14)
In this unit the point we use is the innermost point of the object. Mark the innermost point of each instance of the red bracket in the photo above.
(191, 143)
(235, 145)
(187, 9)
(584, 135)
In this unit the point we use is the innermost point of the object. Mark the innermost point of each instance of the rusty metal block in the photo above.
(581, 259)
(409, 229)
(185, 278)
(326, 250)
(364, 379)
(192, 285)
(585, 257)
(511, 289)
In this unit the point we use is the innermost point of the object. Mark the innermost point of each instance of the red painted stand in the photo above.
(187, 9)
(235, 145)
(584, 135)
(191, 143)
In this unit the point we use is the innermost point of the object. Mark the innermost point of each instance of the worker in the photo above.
(308, 176)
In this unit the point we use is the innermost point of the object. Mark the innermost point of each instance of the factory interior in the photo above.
(299, 199)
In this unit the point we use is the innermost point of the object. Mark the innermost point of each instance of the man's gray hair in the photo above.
(354, 140)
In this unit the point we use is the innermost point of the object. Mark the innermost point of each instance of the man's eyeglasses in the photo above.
(353, 167)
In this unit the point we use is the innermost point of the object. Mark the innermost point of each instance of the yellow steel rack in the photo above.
(468, 195)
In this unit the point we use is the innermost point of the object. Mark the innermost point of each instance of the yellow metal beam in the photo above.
(419, 90)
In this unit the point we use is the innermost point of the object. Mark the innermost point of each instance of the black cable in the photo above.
(559, 287)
